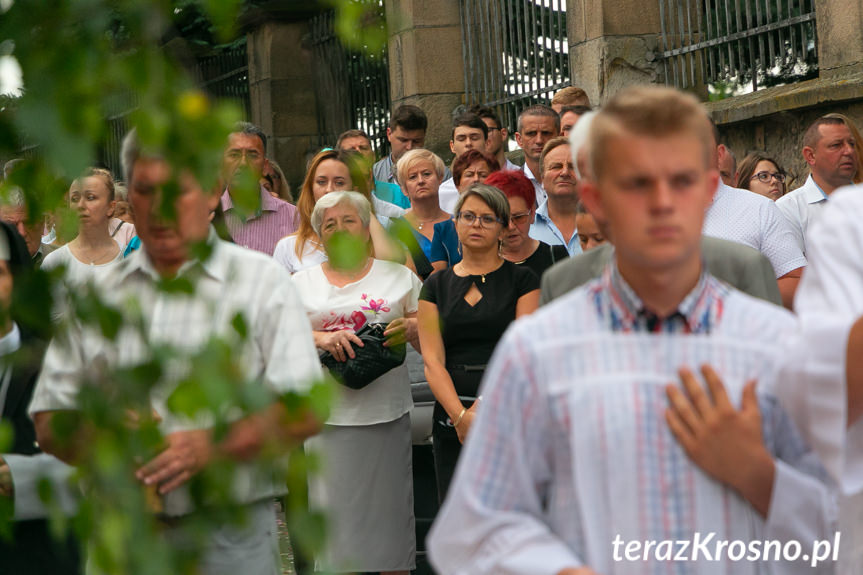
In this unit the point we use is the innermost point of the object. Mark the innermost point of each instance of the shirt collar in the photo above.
(812, 191)
(528, 173)
(216, 266)
(542, 210)
(696, 313)
(268, 202)
(11, 342)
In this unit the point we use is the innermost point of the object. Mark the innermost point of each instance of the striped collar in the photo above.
(698, 312)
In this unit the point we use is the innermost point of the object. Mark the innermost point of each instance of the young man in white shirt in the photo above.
(469, 132)
(570, 460)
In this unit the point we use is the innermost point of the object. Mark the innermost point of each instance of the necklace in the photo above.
(421, 223)
(481, 275)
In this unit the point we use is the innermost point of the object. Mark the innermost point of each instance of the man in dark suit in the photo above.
(741, 266)
(32, 550)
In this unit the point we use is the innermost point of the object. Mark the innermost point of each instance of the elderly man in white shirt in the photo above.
(277, 353)
(831, 153)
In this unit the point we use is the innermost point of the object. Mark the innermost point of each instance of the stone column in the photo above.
(426, 66)
(612, 45)
(840, 37)
(282, 94)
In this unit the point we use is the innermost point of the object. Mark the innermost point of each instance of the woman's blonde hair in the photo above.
(414, 157)
(101, 173)
(306, 201)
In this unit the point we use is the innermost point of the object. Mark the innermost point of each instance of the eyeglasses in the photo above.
(764, 177)
(485, 220)
(519, 219)
(237, 155)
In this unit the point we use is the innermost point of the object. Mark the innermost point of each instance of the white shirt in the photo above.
(387, 292)
(570, 447)
(828, 301)
(747, 218)
(78, 274)
(508, 165)
(801, 207)
(285, 253)
(447, 195)
(537, 185)
(278, 353)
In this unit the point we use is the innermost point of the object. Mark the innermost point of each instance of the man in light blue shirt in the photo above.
(555, 217)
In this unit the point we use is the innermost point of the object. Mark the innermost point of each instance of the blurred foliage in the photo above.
(82, 60)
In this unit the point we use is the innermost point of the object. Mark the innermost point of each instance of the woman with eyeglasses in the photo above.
(463, 312)
(471, 167)
(518, 247)
(761, 174)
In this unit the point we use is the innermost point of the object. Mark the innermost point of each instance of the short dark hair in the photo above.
(580, 110)
(409, 117)
(351, 134)
(470, 120)
(462, 162)
(250, 129)
(540, 110)
(486, 112)
(813, 133)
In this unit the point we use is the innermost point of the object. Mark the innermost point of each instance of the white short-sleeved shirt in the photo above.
(801, 207)
(747, 218)
(285, 253)
(387, 292)
(278, 353)
(447, 195)
(77, 272)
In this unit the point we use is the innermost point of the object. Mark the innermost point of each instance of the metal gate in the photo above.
(224, 75)
(515, 53)
(352, 87)
(738, 46)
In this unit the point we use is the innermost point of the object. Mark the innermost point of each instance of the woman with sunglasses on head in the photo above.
(518, 247)
(761, 174)
(463, 312)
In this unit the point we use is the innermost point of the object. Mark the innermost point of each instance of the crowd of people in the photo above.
(601, 325)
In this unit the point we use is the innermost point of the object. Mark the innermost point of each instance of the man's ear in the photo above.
(809, 155)
(389, 135)
(503, 133)
(452, 146)
(518, 139)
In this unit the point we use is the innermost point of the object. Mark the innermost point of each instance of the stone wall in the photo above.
(426, 66)
(774, 120)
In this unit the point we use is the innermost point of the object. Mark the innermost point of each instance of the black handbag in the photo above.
(371, 361)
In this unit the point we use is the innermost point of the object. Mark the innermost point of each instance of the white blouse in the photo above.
(285, 253)
(387, 292)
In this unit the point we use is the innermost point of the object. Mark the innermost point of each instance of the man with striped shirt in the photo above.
(272, 218)
(584, 444)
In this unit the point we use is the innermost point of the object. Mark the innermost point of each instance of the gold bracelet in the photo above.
(460, 416)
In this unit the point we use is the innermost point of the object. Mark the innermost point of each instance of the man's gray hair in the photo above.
(332, 199)
(250, 129)
(494, 198)
(13, 197)
(130, 151)
(578, 138)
